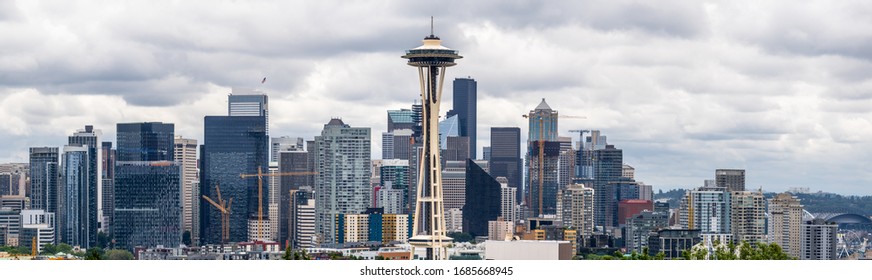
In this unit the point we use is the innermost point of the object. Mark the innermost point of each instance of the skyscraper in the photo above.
(233, 145)
(395, 172)
(465, 102)
(607, 168)
(401, 119)
(247, 102)
(284, 143)
(819, 240)
(707, 210)
(785, 223)
(454, 184)
(505, 158)
(342, 184)
(44, 178)
(148, 187)
(577, 208)
(185, 156)
(108, 194)
(731, 179)
(90, 138)
(428, 229)
(483, 200)
(77, 213)
(289, 161)
(544, 178)
(508, 203)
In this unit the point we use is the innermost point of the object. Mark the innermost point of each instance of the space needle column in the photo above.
(428, 230)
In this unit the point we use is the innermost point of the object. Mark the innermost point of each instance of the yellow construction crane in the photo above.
(542, 155)
(260, 176)
(224, 208)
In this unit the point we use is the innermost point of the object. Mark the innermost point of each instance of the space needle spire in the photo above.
(428, 230)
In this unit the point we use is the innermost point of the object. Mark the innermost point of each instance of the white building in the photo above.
(186, 157)
(508, 204)
(453, 220)
(500, 230)
(576, 208)
(528, 250)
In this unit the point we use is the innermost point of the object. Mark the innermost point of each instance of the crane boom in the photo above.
(260, 176)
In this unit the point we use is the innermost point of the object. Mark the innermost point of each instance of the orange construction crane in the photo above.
(260, 176)
(542, 155)
(224, 208)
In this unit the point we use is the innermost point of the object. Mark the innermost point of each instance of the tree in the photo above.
(94, 253)
(186, 238)
(103, 240)
(118, 254)
(288, 255)
(461, 237)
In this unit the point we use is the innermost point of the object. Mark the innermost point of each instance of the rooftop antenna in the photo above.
(431, 26)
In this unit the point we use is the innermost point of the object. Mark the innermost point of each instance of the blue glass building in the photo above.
(233, 145)
(148, 208)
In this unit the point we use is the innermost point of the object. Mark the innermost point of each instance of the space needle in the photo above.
(428, 230)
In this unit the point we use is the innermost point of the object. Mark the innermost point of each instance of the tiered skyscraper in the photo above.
(543, 152)
(428, 231)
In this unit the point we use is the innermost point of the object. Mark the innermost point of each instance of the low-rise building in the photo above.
(528, 250)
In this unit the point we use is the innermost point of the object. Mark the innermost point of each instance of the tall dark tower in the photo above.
(428, 230)
(465, 107)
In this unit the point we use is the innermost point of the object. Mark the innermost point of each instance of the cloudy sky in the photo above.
(780, 88)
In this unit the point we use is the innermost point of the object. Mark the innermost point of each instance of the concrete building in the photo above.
(454, 184)
(628, 171)
(454, 220)
(508, 204)
(342, 185)
(394, 174)
(730, 179)
(818, 240)
(748, 216)
(500, 230)
(289, 161)
(108, 159)
(185, 156)
(631, 207)
(528, 250)
(283, 144)
(390, 199)
(44, 168)
(577, 208)
(302, 219)
(785, 223)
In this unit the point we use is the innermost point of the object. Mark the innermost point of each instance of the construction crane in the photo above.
(260, 176)
(224, 208)
(542, 155)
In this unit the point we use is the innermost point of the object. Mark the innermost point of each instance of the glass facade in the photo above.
(465, 107)
(482, 200)
(505, 157)
(44, 178)
(78, 199)
(147, 204)
(148, 187)
(233, 145)
(548, 177)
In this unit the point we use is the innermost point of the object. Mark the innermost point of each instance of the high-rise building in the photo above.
(428, 227)
(301, 228)
(543, 123)
(77, 206)
(457, 149)
(39, 225)
(247, 102)
(577, 208)
(395, 172)
(448, 127)
(289, 161)
(401, 119)
(544, 176)
(640, 225)
(628, 171)
(500, 230)
(107, 155)
(731, 179)
(284, 143)
(185, 156)
(397, 144)
(505, 157)
(785, 223)
(819, 240)
(148, 187)
(342, 185)
(13, 179)
(631, 207)
(607, 168)
(233, 145)
(707, 210)
(44, 168)
(90, 138)
(508, 204)
(454, 184)
(465, 102)
(748, 216)
(566, 163)
(483, 199)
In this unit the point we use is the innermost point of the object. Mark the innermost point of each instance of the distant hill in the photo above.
(819, 202)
